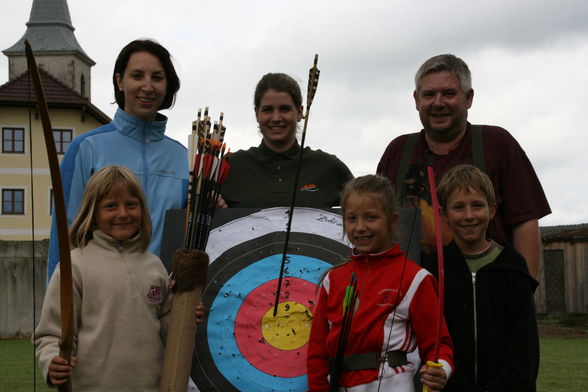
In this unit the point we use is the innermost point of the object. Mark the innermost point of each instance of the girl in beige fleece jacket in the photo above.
(120, 290)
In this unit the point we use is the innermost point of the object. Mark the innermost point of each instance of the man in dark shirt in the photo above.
(443, 95)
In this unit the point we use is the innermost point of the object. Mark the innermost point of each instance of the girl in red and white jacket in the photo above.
(395, 311)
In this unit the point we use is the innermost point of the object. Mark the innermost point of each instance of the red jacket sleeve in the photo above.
(317, 364)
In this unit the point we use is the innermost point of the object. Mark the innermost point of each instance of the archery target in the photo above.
(241, 346)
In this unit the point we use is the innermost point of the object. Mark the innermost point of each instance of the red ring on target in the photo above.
(280, 356)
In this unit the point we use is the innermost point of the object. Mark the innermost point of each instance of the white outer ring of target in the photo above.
(308, 220)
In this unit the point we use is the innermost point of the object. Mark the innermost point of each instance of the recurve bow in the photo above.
(313, 78)
(440, 262)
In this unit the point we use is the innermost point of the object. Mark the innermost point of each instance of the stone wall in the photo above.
(22, 286)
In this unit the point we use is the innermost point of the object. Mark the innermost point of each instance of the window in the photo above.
(62, 139)
(13, 201)
(82, 86)
(13, 140)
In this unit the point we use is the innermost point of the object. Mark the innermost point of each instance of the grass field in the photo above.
(17, 367)
(564, 364)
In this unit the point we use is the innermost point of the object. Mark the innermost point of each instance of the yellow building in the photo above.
(25, 182)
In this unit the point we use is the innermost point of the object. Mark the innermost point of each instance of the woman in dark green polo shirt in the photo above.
(263, 176)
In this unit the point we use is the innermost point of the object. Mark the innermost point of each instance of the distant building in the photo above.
(66, 77)
(564, 277)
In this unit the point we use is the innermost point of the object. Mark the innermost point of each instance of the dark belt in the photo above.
(371, 361)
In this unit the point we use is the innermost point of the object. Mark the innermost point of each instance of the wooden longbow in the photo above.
(66, 291)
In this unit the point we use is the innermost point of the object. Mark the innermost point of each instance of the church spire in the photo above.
(51, 35)
(51, 12)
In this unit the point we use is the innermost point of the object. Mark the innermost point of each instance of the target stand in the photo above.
(241, 346)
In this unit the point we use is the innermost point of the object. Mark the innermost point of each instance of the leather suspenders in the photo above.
(411, 141)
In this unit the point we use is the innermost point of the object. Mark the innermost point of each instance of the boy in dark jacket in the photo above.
(489, 305)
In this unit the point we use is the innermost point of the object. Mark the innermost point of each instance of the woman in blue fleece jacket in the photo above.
(145, 82)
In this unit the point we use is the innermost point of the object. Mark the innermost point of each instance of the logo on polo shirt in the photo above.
(309, 188)
(154, 294)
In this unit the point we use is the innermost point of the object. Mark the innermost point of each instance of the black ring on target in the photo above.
(311, 253)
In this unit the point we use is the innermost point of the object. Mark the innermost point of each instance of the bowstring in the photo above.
(411, 233)
(33, 258)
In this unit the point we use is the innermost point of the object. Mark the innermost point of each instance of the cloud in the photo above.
(527, 58)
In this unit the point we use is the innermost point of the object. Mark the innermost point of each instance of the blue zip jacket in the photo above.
(159, 163)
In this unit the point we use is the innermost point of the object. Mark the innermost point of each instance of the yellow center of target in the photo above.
(290, 328)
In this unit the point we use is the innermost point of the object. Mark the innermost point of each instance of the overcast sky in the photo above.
(529, 63)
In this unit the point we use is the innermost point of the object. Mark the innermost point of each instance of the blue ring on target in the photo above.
(221, 336)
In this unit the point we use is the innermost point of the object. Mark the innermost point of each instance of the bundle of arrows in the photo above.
(209, 171)
(209, 166)
(348, 310)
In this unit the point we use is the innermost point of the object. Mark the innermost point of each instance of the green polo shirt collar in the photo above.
(264, 153)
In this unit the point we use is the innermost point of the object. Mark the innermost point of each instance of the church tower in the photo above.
(65, 75)
(51, 35)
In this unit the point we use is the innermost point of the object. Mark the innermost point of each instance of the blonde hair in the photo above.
(104, 181)
(374, 184)
(464, 177)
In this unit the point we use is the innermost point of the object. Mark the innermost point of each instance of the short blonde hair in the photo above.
(464, 177)
(104, 181)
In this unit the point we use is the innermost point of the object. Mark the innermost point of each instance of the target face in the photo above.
(242, 346)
